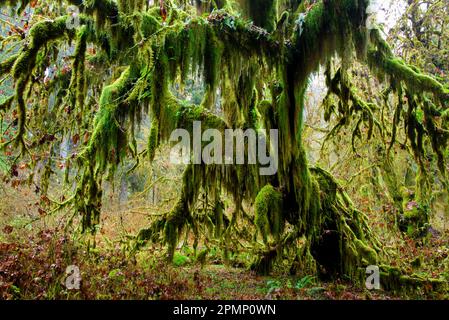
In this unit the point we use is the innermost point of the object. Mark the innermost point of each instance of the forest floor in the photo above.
(35, 270)
(35, 252)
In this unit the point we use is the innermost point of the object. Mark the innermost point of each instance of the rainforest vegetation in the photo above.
(91, 91)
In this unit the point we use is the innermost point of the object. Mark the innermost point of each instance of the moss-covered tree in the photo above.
(255, 58)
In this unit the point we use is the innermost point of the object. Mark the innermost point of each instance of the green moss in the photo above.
(385, 64)
(6, 103)
(263, 263)
(218, 219)
(45, 177)
(39, 35)
(179, 216)
(212, 60)
(348, 244)
(396, 280)
(367, 254)
(107, 140)
(263, 13)
(130, 6)
(153, 140)
(187, 114)
(151, 234)
(201, 257)
(149, 25)
(21, 85)
(180, 260)
(78, 80)
(173, 226)
(7, 64)
(415, 220)
(268, 213)
(392, 182)
(104, 10)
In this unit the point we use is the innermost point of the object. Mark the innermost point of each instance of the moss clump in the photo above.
(152, 234)
(396, 280)
(367, 254)
(268, 213)
(415, 220)
(187, 114)
(180, 260)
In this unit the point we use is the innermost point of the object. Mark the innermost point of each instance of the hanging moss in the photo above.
(88, 200)
(107, 140)
(78, 80)
(263, 13)
(153, 140)
(149, 25)
(212, 60)
(219, 219)
(104, 10)
(39, 35)
(268, 213)
(45, 177)
(179, 215)
(385, 64)
(130, 6)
